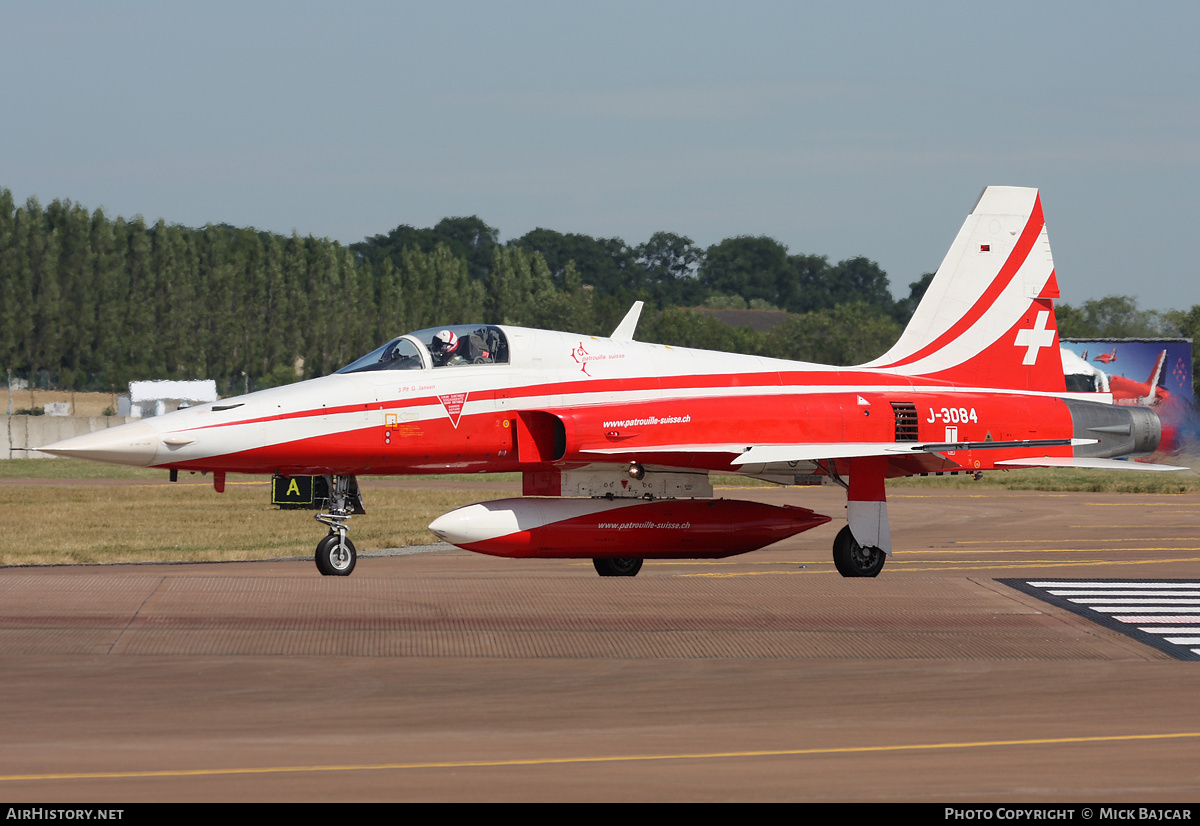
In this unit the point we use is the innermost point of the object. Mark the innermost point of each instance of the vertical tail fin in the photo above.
(1158, 378)
(988, 315)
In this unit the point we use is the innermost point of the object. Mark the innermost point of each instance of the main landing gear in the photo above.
(853, 559)
(335, 553)
(628, 566)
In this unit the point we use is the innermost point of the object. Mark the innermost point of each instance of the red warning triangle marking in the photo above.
(454, 405)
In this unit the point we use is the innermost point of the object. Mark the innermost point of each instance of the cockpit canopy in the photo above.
(425, 349)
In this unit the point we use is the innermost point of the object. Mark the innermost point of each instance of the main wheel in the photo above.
(853, 559)
(332, 559)
(628, 566)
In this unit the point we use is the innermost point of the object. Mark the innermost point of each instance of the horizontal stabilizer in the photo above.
(939, 447)
(1083, 462)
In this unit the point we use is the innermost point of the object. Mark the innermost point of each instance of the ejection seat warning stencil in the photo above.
(1162, 613)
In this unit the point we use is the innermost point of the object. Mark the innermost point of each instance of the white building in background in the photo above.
(154, 398)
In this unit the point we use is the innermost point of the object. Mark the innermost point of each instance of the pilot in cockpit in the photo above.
(444, 349)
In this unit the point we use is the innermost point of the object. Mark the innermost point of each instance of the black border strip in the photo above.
(1178, 652)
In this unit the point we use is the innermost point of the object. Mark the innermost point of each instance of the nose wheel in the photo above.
(336, 555)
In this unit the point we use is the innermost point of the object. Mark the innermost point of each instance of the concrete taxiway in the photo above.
(451, 676)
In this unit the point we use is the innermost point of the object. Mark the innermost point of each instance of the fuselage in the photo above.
(565, 401)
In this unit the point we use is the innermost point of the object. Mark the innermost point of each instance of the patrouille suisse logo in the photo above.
(582, 357)
(454, 404)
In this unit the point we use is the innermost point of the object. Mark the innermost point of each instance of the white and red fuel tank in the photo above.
(620, 528)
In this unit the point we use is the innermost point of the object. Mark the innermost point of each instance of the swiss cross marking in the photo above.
(1035, 338)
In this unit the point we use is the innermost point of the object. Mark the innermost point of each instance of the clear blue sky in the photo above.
(838, 129)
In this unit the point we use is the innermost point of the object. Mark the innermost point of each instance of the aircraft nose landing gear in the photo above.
(336, 555)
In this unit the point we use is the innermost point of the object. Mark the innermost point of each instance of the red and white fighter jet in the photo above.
(615, 438)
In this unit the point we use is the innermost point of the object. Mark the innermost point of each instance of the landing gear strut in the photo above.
(628, 566)
(335, 553)
(852, 559)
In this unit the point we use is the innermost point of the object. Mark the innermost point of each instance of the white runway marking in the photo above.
(1160, 613)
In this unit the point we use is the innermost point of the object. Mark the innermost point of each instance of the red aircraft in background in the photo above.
(1149, 393)
(615, 439)
(1172, 410)
(1107, 358)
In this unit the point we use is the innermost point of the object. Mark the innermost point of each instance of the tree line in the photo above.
(89, 302)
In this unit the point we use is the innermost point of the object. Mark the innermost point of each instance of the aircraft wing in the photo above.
(911, 457)
(739, 447)
(768, 454)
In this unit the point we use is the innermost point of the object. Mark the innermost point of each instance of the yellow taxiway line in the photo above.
(618, 758)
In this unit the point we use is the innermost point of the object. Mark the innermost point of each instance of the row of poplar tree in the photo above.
(89, 302)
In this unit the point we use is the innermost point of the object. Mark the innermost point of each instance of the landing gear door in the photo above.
(310, 493)
(298, 492)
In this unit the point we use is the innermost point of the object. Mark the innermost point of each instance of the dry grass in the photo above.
(1058, 479)
(74, 469)
(164, 522)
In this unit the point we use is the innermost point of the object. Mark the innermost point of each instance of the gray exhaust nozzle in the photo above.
(1119, 430)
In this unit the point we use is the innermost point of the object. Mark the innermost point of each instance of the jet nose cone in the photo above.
(130, 444)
